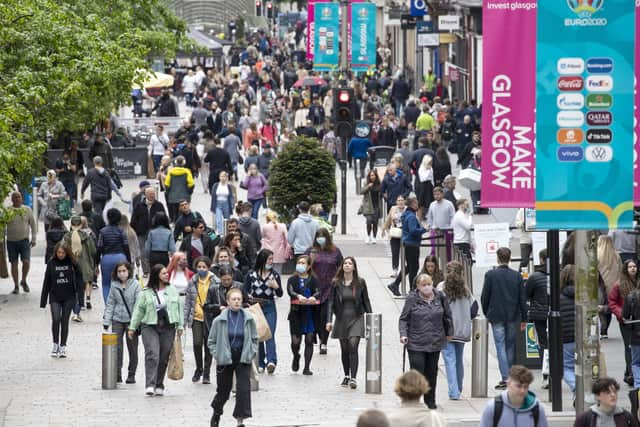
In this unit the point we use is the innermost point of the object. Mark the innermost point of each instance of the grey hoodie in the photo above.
(301, 233)
(606, 419)
(115, 309)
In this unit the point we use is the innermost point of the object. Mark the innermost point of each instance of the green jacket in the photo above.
(219, 344)
(145, 312)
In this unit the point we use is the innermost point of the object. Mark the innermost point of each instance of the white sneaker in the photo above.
(159, 392)
(148, 391)
(54, 350)
(62, 352)
(373, 240)
(367, 240)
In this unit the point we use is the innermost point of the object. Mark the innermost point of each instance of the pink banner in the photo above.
(509, 99)
(636, 121)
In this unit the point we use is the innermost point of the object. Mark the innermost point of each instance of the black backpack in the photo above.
(499, 405)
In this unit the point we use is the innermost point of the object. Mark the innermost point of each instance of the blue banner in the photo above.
(584, 119)
(418, 8)
(363, 36)
(326, 52)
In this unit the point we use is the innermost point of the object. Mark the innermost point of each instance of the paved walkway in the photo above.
(36, 390)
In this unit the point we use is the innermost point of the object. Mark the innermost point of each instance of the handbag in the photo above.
(264, 332)
(64, 209)
(470, 178)
(395, 232)
(175, 367)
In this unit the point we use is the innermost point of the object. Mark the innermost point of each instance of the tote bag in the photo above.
(264, 332)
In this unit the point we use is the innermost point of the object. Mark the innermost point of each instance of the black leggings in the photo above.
(296, 343)
(60, 314)
(395, 253)
(349, 355)
(372, 228)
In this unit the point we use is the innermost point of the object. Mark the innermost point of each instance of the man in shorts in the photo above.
(19, 245)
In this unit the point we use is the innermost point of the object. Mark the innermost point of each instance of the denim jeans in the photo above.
(454, 366)
(107, 264)
(255, 207)
(504, 337)
(269, 310)
(635, 365)
(222, 212)
(568, 364)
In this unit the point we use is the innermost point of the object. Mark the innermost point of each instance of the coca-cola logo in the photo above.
(570, 83)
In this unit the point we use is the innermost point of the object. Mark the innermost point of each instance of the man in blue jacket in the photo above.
(412, 232)
(358, 149)
(504, 303)
(394, 184)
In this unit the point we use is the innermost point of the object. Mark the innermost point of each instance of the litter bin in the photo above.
(380, 156)
(527, 352)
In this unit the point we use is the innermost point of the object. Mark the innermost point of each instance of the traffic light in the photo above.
(270, 10)
(344, 113)
(258, 8)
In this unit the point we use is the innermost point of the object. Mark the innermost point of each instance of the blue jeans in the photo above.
(157, 160)
(568, 364)
(504, 337)
(107, 264)
(635, 365)
(454, 365)
(269, 310)
(255, 207)
(222, 212)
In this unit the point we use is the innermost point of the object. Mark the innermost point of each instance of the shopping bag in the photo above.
(64, 209)
(264, 332)
(470, 178)
(175, 368)
(151, 172)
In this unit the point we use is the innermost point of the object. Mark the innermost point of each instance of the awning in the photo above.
(203, 39)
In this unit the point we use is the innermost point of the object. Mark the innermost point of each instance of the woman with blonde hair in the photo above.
(410, 387)
(274, 238)
(609, 267)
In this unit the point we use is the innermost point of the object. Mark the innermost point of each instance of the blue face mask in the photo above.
(301, 268)
(203, 273)
(268, 266)
(321, 241)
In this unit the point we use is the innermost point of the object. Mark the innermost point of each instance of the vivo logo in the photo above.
(570, 154)
(573, 84)
(570, 101)
(570, 66)
(570, 119)
(599, 153)
(599, 65)
(599, 83)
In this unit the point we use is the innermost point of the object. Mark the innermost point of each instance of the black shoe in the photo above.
(25, 287)
(394, 289)
(215, 420)
(196, 376)
(16, 290)
(432, 406)
(307, 371)
(345, 382)
(629, 380)
(88, 305)
(295, 365)
(502, 385)
(119, 380)
(131, 379)
(206, 379)
(323, 349)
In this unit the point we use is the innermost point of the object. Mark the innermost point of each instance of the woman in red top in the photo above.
(627, 283)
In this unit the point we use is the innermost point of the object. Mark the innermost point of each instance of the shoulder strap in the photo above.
(124, 301)
(627, 416)
(497, 409)
(535, 411)
(588, 418)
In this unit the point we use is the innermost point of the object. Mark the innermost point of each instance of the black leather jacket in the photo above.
(334, 303)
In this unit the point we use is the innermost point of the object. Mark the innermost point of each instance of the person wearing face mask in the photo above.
(200, 286)
(349, 301)
(263, 285)
(426, 326)
(326, 259)
(117, 314)
(179, 272)
(159, 313)
(462, 224)
(100, 181)
(224, 258)
(304, 315)
(233, 342)
(274, 238)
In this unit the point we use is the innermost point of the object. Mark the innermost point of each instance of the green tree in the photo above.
(302, 171)
(65, 65)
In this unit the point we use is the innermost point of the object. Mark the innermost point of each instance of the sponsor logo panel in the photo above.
(570, 136)
(599, 136)
(599, 118)
(570, 154)
(572, 84)
(599, 153)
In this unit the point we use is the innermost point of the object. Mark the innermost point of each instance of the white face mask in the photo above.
(123, 276)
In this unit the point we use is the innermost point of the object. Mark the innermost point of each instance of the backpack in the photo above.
(499, 406)
(589, 417)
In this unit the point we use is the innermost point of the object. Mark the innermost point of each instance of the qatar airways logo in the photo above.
(573, 84)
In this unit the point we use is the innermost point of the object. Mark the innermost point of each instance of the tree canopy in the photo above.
(66, 64)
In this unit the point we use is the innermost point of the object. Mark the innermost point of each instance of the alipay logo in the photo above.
(570, 66)
(570, 119)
